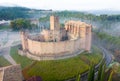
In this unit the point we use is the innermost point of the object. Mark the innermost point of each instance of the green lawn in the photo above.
(57, 70)
(3, 62)
(24, 61)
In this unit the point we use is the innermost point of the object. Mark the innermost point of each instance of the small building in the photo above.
(11, 73)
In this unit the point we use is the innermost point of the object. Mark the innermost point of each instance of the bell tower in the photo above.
(54, 23)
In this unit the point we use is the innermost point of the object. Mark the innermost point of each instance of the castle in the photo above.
(57, 42)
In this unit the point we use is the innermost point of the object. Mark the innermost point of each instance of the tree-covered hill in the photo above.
(88, 16)
(9, 13)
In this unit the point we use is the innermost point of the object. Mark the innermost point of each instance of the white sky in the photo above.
(67, 4)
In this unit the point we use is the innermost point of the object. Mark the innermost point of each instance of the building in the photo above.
(58, 42)
(11, 73)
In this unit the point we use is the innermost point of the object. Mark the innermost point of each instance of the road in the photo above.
(8, 39)
(108, 59)
(5, 52)
(108, 55)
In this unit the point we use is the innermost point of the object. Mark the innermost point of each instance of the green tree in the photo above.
(78, 78)
(103, 73)
(13, 25)
(110, 77)
(19, 24)
(100, 70)
(91, 73)
(10, 13)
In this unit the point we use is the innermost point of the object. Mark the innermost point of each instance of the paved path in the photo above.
(108, 55)
(5, 49)
(5, 52)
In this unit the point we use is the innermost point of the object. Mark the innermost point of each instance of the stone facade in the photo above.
(82, 31)
(56, 33)
(11, 73)
(75, 36)
(54, 23)
(45, 48)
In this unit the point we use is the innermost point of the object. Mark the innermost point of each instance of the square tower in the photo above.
(54, 23)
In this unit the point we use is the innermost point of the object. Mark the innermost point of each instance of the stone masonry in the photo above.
(75, 36)
(11, 73)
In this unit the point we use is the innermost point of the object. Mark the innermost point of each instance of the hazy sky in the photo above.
(66, 4)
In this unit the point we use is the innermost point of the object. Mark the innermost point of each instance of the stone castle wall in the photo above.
(82, 30)
(79, 38)
(45, 48)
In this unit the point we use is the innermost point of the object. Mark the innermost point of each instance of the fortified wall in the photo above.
(49, 48)
(57, 42)
(82, 31)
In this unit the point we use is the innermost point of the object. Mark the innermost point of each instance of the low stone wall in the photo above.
(48, 57)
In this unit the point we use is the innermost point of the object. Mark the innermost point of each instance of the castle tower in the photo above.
(54, 23)
(23, 40)
(88, 37)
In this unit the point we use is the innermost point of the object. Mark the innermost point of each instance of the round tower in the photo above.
(23, 36)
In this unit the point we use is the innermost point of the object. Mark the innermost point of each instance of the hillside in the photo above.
(10, 13)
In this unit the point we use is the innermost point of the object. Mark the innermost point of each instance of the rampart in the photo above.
(52, 50)
(62, 47)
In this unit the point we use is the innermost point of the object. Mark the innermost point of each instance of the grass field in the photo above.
(57, 70)
(3, 62)
(24, 61)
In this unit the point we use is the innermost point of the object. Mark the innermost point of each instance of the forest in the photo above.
(10, 13)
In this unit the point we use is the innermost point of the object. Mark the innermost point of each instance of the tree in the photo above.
(19, 24)
(13, 25)
(10, 13)
(110, 77)
(91, 73)
(103, 73)
(100, 70)
(78, 78)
